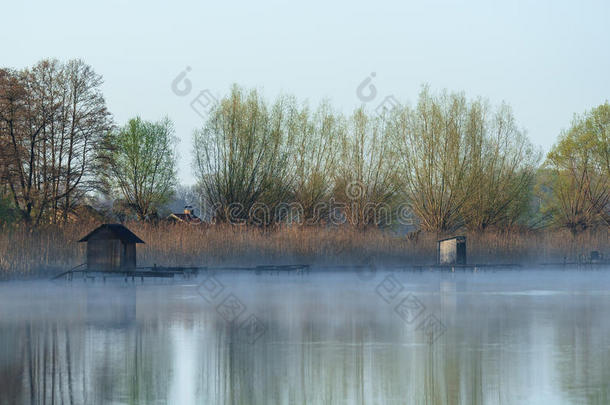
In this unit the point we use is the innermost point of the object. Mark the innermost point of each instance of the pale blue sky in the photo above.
(547, 59)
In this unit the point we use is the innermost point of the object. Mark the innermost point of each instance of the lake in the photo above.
(505, 337)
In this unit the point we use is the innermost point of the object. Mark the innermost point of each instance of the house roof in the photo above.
(185, 218)
(112, 231)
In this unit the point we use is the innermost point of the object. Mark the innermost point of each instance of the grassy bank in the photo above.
(49, 249)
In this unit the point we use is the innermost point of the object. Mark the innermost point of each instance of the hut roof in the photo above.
(459, 238)
(112, 231)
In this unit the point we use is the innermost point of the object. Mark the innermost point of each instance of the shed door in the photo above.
(129, 257)
(116, 254)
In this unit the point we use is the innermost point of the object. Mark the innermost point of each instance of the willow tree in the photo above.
(317, 136)
(579, 177)
(502, 168)
(365, 183)
(463, 164)
(241, 157)
(139, 165)
(435, 143)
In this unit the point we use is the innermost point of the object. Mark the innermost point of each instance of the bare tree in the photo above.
(53, 116)
(20, 131)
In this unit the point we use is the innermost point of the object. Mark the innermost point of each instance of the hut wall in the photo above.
(129, 258)
(104, 254)
(447, 251)
(461, 252)
(452, 251)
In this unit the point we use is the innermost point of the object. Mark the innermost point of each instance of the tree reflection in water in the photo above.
(536, 338)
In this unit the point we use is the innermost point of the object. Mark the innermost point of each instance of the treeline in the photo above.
(445, 163)
(60, 149)
(454, 162)
(449, 161)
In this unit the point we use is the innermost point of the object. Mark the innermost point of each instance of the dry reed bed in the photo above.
(49, 249)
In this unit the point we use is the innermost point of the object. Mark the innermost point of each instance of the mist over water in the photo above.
(335, 338)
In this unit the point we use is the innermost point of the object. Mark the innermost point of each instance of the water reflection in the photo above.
(329, 339)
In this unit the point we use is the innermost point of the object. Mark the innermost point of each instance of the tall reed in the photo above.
(46, 250)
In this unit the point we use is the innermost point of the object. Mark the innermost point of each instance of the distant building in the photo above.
(80, 213)
(452, 250)
(111, 247)
(186, 216)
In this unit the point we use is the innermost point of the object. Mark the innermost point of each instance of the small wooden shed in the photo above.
(452, 250)
(111, 247)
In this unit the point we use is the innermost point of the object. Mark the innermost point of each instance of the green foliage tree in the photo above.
(579, 179)
(139, 164)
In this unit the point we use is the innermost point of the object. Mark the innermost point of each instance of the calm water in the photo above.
(385, 338)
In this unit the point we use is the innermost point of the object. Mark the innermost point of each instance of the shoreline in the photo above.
(363, 272)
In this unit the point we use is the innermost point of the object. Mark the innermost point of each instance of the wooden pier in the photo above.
(187, 272)
(184, 272)
(140, 273)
